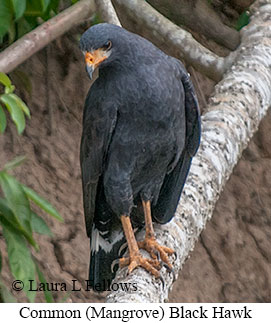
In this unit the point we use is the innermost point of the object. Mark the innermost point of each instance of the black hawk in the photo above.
(141, 128)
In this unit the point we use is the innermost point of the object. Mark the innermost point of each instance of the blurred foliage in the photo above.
(243, 20)
(22, 79)
(17, 219)
(14, 105)
(17, 17)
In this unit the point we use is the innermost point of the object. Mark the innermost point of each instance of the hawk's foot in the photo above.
(157, 251)
(137, 260)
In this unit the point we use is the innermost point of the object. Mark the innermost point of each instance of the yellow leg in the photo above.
(135, 259)
(149, 243)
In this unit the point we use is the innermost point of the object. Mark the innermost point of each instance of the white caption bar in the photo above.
(169, 312)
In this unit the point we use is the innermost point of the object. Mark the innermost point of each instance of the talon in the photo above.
(162, 281)
(170, 270)
(124, 262)
(157, 254)
(160, 252)
(138, 260)
(174, 275)
(153, 252)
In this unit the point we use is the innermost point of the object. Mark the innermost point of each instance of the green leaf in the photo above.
(15, 111)
(4, 79)
(21, 104)
(5, 17)
(39, 225)
(54, 5)
(10, 219)
(33, 8)
(45, 4)
(3, 120)
(52, 8)
(9, 89)
(19, 8)
(14, 163)
(31, 21)
(7, 213)
(20, 259)
(5, 294)
(243, 20)
(17, 201)
(47, 293)
(11, 35)
(23, 27)
(42, 203)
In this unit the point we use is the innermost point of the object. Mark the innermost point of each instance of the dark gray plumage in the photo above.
(141, 128)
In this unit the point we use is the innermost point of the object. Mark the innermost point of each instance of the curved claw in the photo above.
(157, 255)
(151, 265)
(162, 281)
(156, 251)
(124, 262)
(170, 270)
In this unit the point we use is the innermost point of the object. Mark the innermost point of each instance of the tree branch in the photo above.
(241, 5)
(188, 48)
(35, 40)
(240, 101)
(199, 16)
(107, 11)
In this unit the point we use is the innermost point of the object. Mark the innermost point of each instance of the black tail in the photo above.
(171, 190)
(104, 260)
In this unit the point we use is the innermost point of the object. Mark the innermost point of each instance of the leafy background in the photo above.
(230, 263)
(17, 219)
(18, 17)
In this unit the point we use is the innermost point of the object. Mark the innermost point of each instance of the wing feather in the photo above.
(98, 125)
(174, 182)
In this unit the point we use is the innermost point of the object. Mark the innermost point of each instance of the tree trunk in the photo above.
(240, 101)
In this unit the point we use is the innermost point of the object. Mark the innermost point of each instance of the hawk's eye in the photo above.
(107, 46)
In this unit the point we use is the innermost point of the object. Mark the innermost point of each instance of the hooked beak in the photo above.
(94, 59)
(90, 70)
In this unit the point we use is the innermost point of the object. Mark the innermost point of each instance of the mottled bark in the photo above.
(199, 16)
(35, 40)
(234, 112)
(187, 48)
(107, 11)
(241, 5)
